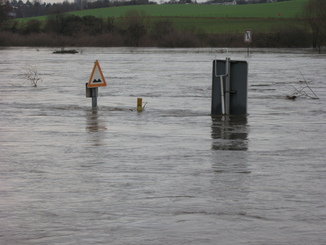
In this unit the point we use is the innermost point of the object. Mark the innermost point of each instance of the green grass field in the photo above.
(232, 25)
(213, 18)
(288, 9)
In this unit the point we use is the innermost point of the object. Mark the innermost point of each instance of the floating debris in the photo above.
(303, 91)
(68, 51)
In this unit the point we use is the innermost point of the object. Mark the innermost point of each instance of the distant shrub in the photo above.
(110, 25)
(293, 37)
(92, 25)
(134, 27)
(161, 28)
(32, 26)
(288, 37)
(224, 40)
(102, 40)
(178, 39)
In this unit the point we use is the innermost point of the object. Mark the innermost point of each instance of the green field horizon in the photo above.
(212, 19)
(286, 9)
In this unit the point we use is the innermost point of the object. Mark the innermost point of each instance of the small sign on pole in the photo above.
(248, 39)
(96, 79)
(247, 36)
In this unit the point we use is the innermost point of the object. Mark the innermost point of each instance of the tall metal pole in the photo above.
(94, 101)
(227, 86)
(94, 92)
(222, 96)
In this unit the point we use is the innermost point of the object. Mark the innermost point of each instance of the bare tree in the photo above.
(315, 15)
(31, 75)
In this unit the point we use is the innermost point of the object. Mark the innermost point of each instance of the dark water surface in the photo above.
(171, 174)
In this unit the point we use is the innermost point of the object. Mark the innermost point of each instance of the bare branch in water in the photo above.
(31, 75)
(300, 92)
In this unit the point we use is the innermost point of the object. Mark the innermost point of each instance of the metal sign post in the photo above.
(92, 93)
(227, 86)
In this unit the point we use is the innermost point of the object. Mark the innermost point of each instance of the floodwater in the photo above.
(172, 174)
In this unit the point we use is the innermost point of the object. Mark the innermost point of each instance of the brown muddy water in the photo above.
(172, 174)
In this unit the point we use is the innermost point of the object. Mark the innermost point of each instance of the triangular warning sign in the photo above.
(97, 78)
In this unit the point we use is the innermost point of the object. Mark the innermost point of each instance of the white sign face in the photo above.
(247, 36)
(97, 79)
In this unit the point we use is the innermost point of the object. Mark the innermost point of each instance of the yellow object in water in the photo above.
(139, 104)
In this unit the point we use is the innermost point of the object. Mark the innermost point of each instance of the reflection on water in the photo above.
(94, 124)
(92, 120)
(229, 133)
(230, 143)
